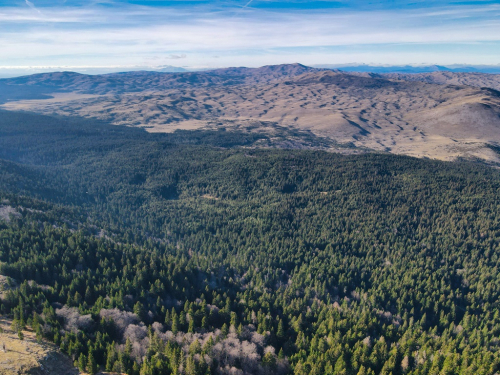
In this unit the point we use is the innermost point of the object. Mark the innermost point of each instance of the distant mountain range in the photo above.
(492, 69)
(138, 81)
(9, 72)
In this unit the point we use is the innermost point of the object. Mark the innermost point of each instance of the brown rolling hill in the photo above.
(144, 81)
(442, 120)
(449, 78)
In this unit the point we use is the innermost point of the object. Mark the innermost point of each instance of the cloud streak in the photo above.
(132, 34)
(176, 57)
(32, 6)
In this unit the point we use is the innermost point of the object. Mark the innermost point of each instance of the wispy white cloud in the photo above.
(267, 31)
(176, 57)
(32, 6)
(96, 34)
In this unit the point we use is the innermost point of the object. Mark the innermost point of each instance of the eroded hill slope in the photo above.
(423, 119)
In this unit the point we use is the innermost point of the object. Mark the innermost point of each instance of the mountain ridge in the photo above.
(412, 69)
(151, 80)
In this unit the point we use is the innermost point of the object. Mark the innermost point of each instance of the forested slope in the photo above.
(194, 253)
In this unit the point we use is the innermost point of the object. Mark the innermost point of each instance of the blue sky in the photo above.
(106, 34)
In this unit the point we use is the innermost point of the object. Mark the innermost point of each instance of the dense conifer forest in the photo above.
(197, 253)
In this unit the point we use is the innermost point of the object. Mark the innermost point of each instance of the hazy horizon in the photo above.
(13, 72)
(109, 35)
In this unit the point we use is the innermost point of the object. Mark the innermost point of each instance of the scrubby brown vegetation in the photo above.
(444, 116)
